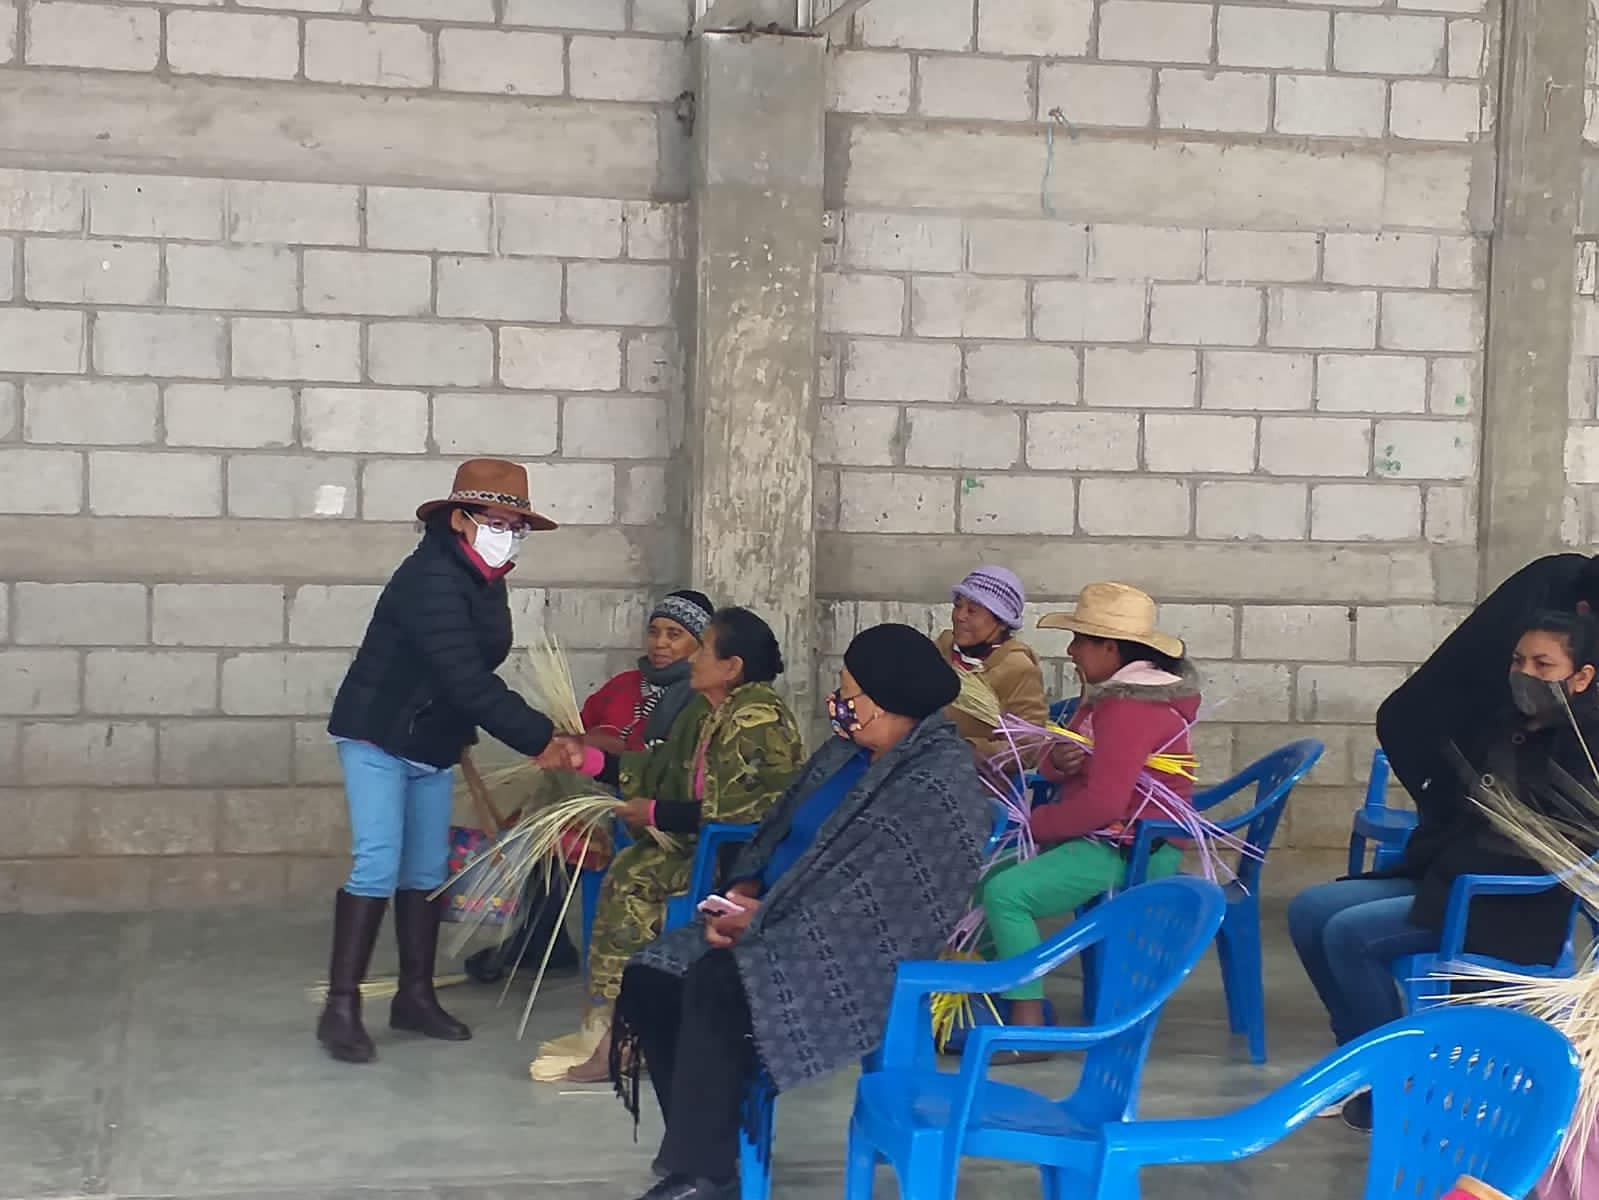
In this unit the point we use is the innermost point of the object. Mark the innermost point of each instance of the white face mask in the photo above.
(496, 549)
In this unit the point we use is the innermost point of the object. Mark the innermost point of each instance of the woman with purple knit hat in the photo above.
(982, 641)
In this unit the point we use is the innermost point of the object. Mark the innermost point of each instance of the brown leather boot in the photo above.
(356, 921)
(415, 1008)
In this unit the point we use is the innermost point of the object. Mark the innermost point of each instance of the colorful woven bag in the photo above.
(467, 844)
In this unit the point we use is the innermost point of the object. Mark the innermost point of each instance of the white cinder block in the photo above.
(93, 614)
(1082, 441)
(1315, 446)
(1384, 44)
(1330, 106)
(420, 219)
(1318, 319)
(1247, 511)
(1286, 39)
(1140, 252)
(902, 372)
(914, 25)
(662, 16)
(388, 285)
(330, 616)
(10, 412)
(965, 306)
(1140, 378)
(317, 6)
(278, 683)
(1582, 454)
(896, 502)
(652, 229)
(1452, 386)
(155, 206)
(237, 277)
(857, 435)
(1207, 630)
(619, 294)
(1379, 259)
(1205, 314)
(1098, 93)
(368, 54)
(644, 497)
(1468, 49)
(1429, 321)
(1458, 262)
(1365, 512)
(178, 345)
(1437, 111)
(863, 304)
(500, 289)
(364, 420)
(567, 14)
(298, 486)
(41, 201)
(992, 89)
(217, 614)
(292, 348)
(81, 271)
(1221, 101)
(88, 413)
(40, 481)
(43, 341)
(1022, 504)
(881, 241)
(505, 423)
(1152, 31)
(99, 36)
(1435, 449)
(578, 360)
(615, 427)
(987, 438)
(1004, 373)
(1068, 311)
(302, 214)
(1254, 691)
(511, 64)
(8, 31)
(208, 414)
(1250, 380)
(559, 226)
(1040, 28)
(1242, 256)
(654, 362)
(1297, 632)
(133, 483)
(1133, 507)
(1349, 694)
(138, 682)
(1371, 383)
(1179, 443)
(864, 81)
(1001, 246)
(1403, 633)
(628, 68)
(248, 45)
(430, 10)
(414, 352)
(1451, 517)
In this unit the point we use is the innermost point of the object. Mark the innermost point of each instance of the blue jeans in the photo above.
(1348, 934)
(399, 821)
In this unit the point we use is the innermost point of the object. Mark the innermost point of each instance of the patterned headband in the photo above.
(505, 499)
(686, 613)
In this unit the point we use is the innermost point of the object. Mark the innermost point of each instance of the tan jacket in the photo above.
(1013, 672)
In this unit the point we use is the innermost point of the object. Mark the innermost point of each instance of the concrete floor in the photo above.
(171, 1055)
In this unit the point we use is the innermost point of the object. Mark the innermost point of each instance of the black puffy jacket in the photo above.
(423, 681)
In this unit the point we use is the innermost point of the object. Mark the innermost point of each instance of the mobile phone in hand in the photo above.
(720, 906)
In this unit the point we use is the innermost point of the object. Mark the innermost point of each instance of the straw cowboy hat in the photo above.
(1115, 610)
(490, 481)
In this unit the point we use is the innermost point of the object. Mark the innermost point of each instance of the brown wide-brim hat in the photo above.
(490, 481)
(1115, 610)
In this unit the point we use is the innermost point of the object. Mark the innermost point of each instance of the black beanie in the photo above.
(902, 671)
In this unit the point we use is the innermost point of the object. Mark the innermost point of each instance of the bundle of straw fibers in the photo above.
(977, 699)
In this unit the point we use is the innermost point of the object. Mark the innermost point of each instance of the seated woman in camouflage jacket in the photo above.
(729, 756)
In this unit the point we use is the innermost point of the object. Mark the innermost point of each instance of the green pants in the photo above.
(1053, 884)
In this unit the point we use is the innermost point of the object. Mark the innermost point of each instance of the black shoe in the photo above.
(685, 1187)
(415, 1008)
(1357, 1112)
(356, 920)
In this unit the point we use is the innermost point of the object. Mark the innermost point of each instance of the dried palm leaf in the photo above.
(977, 699)
(551, 682)
(381, 988)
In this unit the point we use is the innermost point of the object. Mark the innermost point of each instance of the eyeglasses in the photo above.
(515, 526)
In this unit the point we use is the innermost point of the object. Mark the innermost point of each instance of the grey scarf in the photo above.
(665, 695)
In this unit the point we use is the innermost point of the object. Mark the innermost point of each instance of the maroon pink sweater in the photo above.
(1139, 711)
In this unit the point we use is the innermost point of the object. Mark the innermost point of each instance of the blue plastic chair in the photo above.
(1476, 1091)
(924, 1121)
(591, 880)
(1059, 713)
(1388, 828)
(1238, 943)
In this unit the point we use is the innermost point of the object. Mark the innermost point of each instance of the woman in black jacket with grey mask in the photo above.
(420, 687)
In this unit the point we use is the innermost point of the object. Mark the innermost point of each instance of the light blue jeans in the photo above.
(399, 821)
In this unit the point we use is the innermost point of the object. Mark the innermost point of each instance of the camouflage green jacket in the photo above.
(728, 765)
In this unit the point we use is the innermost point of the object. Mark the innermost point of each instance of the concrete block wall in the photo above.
(224, 391)
(1185, 294)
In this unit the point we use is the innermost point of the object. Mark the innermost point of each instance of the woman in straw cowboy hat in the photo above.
(420, 687)
(1139, 698)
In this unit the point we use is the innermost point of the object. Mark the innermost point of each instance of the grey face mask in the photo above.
(1537, 699)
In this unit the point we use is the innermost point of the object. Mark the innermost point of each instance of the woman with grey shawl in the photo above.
(636, 709)
(868, 859)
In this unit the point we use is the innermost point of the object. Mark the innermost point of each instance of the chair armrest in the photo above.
(712, 837)
(1468, 887)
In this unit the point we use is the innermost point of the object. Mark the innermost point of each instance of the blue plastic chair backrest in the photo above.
(1150, 933)
(1377, 784)
(1477, 1093)
(1274, 777)
(1061, 711)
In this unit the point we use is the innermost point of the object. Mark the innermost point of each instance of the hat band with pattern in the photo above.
(504, 498)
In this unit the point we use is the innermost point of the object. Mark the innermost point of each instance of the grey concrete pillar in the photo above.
(1531, 271)
(757, 222)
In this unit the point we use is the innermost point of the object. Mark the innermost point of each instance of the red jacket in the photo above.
(614, 709)
(1138, 712)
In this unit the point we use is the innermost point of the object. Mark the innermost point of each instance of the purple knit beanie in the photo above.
(997, 590)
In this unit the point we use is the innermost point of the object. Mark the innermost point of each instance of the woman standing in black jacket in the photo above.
(420, 687)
